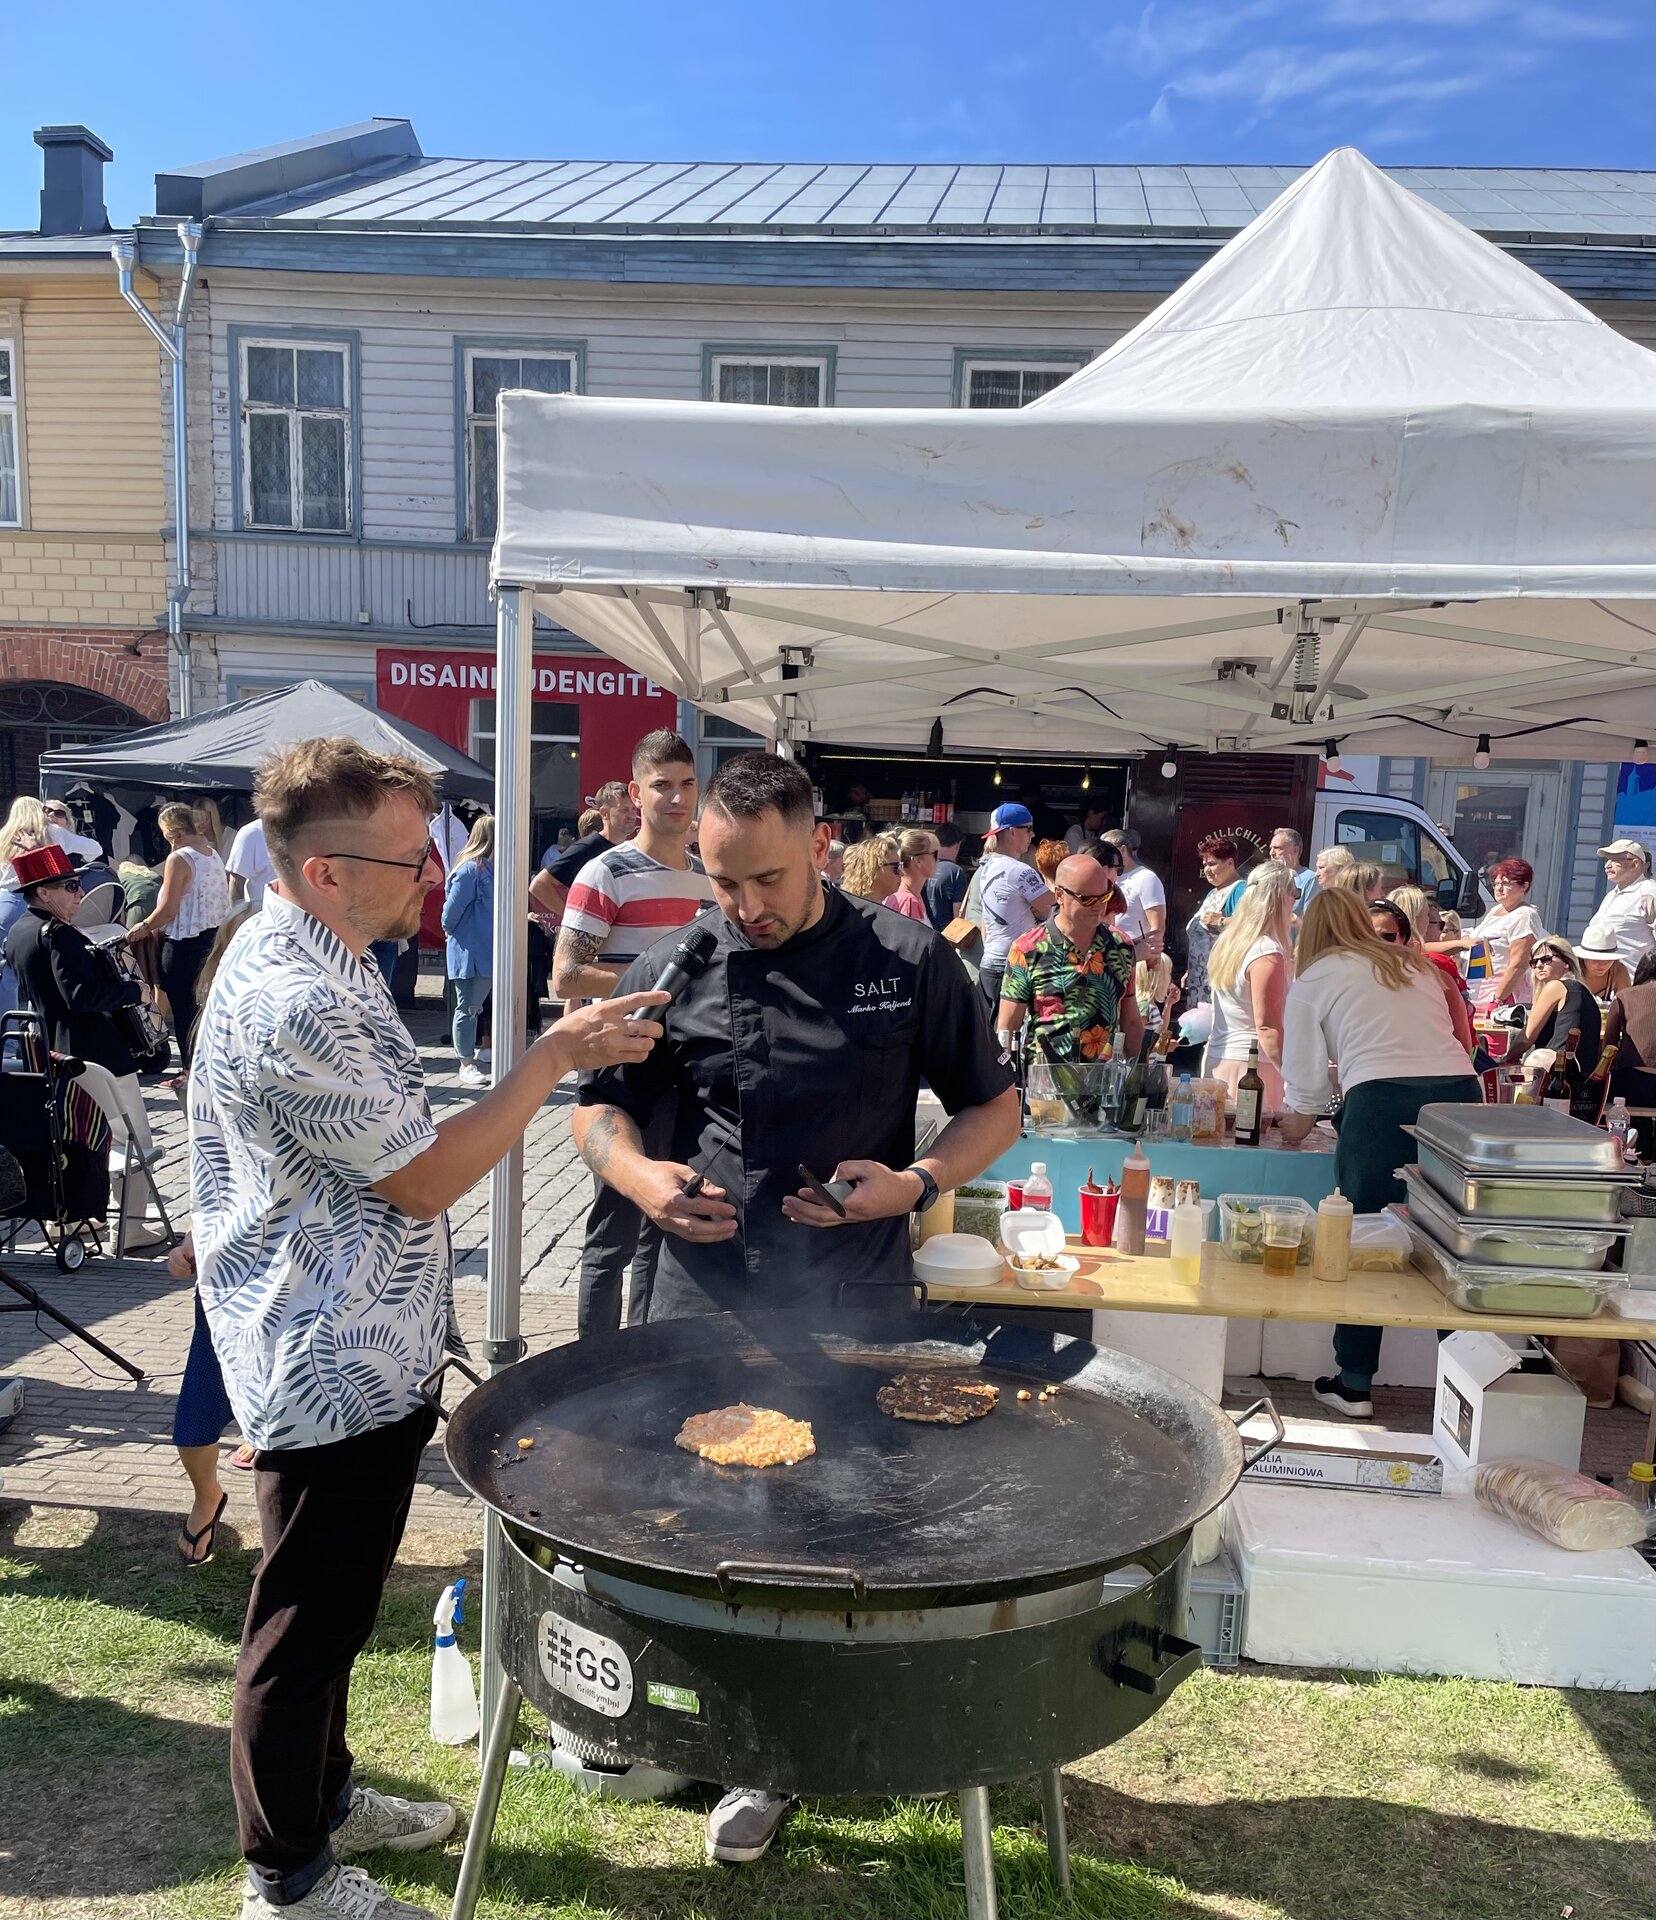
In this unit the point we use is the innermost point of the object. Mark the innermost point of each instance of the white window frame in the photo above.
(471, 421)
(11, 411)
(717, 363)
(295, 414)
(1011, 363)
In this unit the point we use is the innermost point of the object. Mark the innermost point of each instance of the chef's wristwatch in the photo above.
(928, 1189)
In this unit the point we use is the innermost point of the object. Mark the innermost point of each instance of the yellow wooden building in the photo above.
(83, 553)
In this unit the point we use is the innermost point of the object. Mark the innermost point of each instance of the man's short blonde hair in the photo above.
(318, 781)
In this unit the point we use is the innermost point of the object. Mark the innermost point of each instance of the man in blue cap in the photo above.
(1014, 897)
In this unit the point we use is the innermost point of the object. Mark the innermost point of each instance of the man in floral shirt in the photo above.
(1073, 971)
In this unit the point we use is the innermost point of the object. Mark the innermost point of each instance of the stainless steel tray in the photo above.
(1504, 1243)
(1578, 1202)
(1533, 1142)
(1528, 1292)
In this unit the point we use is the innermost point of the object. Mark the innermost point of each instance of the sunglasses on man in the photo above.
(1088, 900)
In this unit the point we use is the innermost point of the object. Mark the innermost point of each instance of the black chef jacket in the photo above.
(809, 1052)
(63, 980)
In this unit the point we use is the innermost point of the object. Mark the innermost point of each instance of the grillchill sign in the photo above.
(589, 1668)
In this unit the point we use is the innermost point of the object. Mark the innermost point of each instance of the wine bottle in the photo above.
(1135, 1095)
(1594, 1091)
(1558, 1089)
(1250, 1102)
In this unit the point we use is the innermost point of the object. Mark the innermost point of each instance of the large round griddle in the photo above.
(1033, 1495)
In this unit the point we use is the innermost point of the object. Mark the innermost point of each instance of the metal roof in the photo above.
(1506, 202)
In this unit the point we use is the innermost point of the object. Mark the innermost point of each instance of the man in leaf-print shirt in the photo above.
(319, 1184)
(1072, 972)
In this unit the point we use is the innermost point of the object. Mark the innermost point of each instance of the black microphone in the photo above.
(690, 958)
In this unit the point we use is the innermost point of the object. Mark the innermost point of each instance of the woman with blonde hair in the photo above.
(468, 924)
(24, 830)
(1378, 1012)
(1248, 978)
(872, 868)
(1331, 863)
(191, 907)
(917, 860)
(1561, 1000)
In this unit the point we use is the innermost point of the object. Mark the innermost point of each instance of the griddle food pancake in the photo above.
(744, 1436)
(939, 1399)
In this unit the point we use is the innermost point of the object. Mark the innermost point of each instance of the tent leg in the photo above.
(502, 1344)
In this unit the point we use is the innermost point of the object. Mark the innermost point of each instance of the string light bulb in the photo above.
(997, 773)
(1641, 753)
(1331, 755)
(1480, 758)
(1086, 779)
(1170, 762)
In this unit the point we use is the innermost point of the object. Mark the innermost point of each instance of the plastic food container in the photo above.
(1499, 1243)
(1379, 1243)
(1033, 1230)
(1517, 1290)
(958, 1260)
(1045, 1279)
(978, 1209)
(1242, 1225)
(1530, 1142)
(1586, 1200)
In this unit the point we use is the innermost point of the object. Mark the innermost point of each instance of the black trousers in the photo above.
(180, 968)
(618, 1234)
(331, 1519)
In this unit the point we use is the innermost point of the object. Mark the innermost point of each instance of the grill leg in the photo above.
(979, 1851)
(481, 1831)
(1057, 1835)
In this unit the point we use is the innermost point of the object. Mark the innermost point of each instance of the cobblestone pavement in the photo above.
(87, 1436)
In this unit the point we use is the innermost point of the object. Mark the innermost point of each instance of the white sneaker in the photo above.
(744, 1823)
(471, 1075)
(483, 1056)
(384, 1820)
(343, 1893)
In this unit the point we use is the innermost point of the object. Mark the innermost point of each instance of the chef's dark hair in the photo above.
(756, 783)
(663, 748)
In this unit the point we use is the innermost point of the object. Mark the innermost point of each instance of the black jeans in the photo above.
(616, 1234)
(331, 1519)
(180, 968)
(989, 985)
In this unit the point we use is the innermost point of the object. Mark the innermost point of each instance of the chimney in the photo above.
(72, 200)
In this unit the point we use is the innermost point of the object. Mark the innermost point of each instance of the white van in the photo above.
(1402, 838)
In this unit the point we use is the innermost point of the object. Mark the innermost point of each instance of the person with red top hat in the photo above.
(59, 976)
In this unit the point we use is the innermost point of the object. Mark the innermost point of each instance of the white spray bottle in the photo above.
(454, 1715)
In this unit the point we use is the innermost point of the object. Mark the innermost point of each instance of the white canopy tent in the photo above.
(1363, 477)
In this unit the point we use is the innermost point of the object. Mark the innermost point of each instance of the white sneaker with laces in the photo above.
(471, 1075)
(385, 1820)
(744, 1823)
(343, 1893)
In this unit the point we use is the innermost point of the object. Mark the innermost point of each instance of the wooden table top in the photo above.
(1234, 1290)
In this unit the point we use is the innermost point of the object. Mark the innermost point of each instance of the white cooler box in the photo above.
(1436, 1586)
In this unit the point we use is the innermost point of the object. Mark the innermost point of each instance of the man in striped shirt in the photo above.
(622, 902)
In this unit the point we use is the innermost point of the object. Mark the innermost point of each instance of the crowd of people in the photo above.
(842, 976)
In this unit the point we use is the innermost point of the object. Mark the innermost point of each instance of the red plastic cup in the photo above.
(1014, 1196)
(1098, 1218)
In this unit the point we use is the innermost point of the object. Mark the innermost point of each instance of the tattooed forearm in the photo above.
(574, 977)
(599, 1132)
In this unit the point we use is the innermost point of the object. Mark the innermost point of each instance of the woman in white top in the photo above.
(194, 899)
(1510, 929)
(1376, 1012)
(1248, 978)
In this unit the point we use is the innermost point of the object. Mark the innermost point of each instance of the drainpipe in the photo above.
(171, 341)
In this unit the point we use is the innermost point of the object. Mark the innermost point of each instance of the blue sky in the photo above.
(1451, 82)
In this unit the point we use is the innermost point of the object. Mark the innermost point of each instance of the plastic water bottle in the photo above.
(454, 1715)
(1182, 1109)
(1618, 1123)
(1037, 1189)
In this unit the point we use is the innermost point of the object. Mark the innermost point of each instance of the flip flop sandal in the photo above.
(187, 1552)
(244, 1457)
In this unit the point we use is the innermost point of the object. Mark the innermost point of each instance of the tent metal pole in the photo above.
(502, 1344)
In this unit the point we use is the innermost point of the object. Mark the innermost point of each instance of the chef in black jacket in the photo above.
(804, 1041)
(75, 993)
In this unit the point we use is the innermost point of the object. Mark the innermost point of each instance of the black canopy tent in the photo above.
(221, 751)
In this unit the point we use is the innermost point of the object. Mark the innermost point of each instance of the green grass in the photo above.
(1266, 1795)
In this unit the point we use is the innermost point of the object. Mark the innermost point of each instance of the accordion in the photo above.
(139, 1026)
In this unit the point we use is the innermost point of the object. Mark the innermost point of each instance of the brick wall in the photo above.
(101, 662)
(50, 579)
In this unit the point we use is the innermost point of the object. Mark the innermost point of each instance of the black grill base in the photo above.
(883, 1706)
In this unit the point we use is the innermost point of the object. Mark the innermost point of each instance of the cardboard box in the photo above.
(1388, 1468)
(1498, 1402)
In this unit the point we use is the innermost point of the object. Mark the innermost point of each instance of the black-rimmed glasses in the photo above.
(415, 867)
